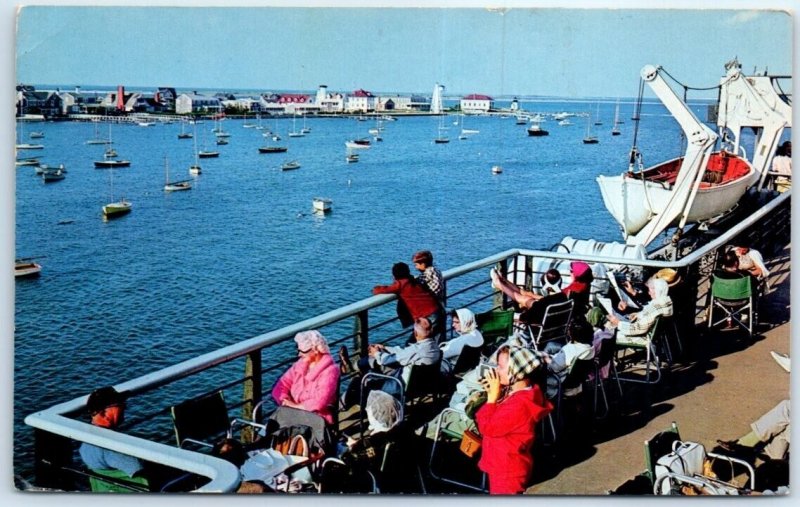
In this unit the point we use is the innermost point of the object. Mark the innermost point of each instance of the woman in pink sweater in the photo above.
(312, 383)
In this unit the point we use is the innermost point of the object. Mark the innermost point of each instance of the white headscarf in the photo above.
(467, 320)
(660, 288)
(312, 339)
(384, 412)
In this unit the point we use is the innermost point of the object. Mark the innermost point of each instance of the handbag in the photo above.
(470, 443)
(686, 458)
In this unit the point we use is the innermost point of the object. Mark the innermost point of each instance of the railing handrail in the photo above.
(223, 479)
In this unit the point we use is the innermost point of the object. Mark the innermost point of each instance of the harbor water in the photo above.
(243, 253)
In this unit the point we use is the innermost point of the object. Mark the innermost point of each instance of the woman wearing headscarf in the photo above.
(508, 422)
(580, 287)
(312, 383)
(634, 330)
(468, 336)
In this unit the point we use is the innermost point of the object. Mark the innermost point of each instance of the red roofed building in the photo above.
(360, 100)
(477, 103)
(293, 98)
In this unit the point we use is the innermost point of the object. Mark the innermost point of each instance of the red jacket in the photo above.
(508, 430)
(419, 301)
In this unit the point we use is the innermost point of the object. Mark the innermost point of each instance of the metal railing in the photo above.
(468, 284)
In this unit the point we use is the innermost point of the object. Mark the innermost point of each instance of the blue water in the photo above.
(242, 253)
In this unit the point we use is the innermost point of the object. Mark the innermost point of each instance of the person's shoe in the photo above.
(782, 360)
(345, 366)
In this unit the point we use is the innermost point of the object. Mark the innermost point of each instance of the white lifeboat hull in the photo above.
(633, 200)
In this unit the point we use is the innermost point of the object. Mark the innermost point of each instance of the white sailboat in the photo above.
(195, 169)
(294, 132)
(184, 134)
(174, 186)
(26, 146)
(305, 130)
(615, 129)
(465, 131)
(97, 139)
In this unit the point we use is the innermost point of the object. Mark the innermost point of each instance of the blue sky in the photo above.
(561, 52)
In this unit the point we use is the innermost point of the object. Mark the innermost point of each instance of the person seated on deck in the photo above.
(106, 406)
(414, 300)
(311, 383)
(384, 415)
(638, 324)
(468, 336)
(770, 435)
(508, 422)
(559, 359)
(782, 167)
(532, 306)
(729, 267)
(580, 288)
(752, 263)
(393, 360)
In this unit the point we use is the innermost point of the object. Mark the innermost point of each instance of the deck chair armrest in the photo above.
(731, 459)
(236, 422)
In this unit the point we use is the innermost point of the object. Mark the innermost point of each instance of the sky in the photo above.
(518, 51)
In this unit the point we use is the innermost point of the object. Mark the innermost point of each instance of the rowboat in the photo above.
(288, 166)
(23, 269)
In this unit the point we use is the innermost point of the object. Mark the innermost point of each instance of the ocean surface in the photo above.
(242, 253)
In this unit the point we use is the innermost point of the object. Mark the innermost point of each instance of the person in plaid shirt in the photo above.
(430, 276)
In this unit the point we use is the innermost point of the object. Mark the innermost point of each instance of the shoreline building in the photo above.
(477, 104)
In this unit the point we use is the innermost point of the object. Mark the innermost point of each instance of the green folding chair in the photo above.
(734, 296)
(495, 326)
(118, 482)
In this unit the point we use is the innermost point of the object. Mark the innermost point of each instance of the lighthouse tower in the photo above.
(436, 100)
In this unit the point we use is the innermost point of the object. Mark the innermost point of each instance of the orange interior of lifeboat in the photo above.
(728, 166)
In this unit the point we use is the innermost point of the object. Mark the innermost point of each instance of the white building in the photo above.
(187, 103)
(329, 102)
(360, 101)
(476, 104)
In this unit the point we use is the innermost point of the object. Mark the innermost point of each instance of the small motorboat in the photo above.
(535, 130)
(496, 169)
(110, 153)
(185, 135)
(51, 175)
(288, 166)
(26, 269)
(108, 163)
(195, 169)
(222, 141)
(352, 158)
(27, 161)
(177, 186)
(36, 135)
(322, 204)
(145, 123)
(272, 149)
(208, 154)
(354, 145)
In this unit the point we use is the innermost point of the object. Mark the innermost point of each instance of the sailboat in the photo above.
(207, 153)
(116, 209)
(615, 130)
(184, 134)
(174, 186)
(220, 132)
(589, 139)
(259, 126)
(465, 131)
(294, 132)
(305, 130)
(598, 121)
(441, 139)
(26, 146)
(195, 169)
(97, 139)
(246, 124)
